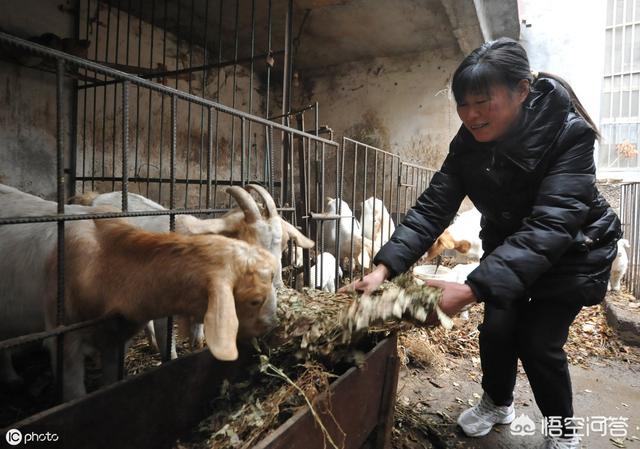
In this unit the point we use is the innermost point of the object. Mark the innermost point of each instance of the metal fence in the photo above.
(630, 217)
(276, 143)
(369, 182)
(140, 124)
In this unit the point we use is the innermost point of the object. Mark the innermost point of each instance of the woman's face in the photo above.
(489, 116)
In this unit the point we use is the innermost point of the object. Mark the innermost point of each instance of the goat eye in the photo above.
(255, 302)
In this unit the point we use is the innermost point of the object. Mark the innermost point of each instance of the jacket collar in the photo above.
(543, 115)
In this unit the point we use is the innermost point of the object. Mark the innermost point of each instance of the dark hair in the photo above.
(503, 62)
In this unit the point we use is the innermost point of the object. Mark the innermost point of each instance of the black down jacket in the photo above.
(546, 230)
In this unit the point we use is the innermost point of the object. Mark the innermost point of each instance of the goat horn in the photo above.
(246, 203)
(272, 211)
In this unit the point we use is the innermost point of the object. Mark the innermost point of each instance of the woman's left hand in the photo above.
(454, 297)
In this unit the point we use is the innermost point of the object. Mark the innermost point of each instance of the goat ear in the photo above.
(462, 246)
(221, 322)
(297, 236)
(625, 243)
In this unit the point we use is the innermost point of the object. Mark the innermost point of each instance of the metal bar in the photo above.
(95, 100)
(178, 36)
(162, 98)
(59, 332)
(253, 45)
(364, 195)
(339, 181)
(236, 37)
(84, 109)
(125, 189)
(398, 185)
(73, 150)
(302, 206)
(104, 96)
(61, 201)
(107, 215)
(243, 151)
(375, 196)
(128, 31)
(286, 101)
(269, 66)
(271, 157)
(115, 100)
(189, 83)
(215, 177)
(209, 155)
(288, 60)
(293, 112)
(364, 145)
(153, 10)
(150, 74)
(353, 200)
(153, 86)
(172, 167)
(125, 146)
(205, 46)
(172, 205)
(291, 186)
(150, 102)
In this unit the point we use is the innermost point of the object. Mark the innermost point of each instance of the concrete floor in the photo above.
(610, 389)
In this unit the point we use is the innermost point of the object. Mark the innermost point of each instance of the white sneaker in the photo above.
(561, 443)
(478, 420)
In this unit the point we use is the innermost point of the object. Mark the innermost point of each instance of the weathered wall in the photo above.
(28, 102)
(399, 104)
(28, 110)
(150, 118)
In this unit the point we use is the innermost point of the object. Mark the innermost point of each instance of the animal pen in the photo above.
(630, 217)
(177, 101)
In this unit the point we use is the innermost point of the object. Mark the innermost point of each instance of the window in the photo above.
(620, 107)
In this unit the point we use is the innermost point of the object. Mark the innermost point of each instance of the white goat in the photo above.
(265, 228)
(466, 227)
(323, 274)
(248, 223)
(115, 269)
(376, 223)
(619, 265)
(349, 231)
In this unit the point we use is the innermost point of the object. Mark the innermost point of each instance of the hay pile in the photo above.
(589, 337)
(319, 337)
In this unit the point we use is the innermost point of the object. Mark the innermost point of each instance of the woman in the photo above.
(524, 156)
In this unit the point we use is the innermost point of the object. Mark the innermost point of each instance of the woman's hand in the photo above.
(369, 283)
(454, 297)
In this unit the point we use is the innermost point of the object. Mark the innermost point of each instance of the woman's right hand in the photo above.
(370, 282)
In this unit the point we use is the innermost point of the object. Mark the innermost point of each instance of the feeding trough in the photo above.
(155, 408)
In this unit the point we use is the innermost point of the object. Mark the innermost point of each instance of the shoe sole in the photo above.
(508, 420)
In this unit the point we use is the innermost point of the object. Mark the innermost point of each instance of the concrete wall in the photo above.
(567, 38)
(28, 102)
(399, 104)
(28, 110)
(150, 118)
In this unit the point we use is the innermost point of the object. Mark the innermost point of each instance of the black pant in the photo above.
(534, 331)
